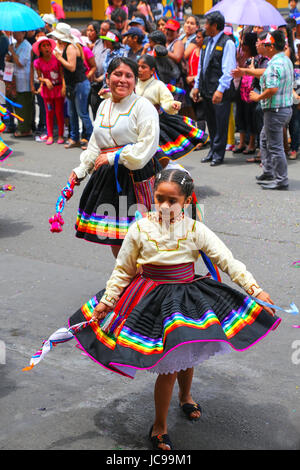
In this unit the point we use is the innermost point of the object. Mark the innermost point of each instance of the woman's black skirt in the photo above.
(104, 215)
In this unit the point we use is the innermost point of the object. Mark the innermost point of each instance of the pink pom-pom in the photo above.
(56, 223)
(55, 227)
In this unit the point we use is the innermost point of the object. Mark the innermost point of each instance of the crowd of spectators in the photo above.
(59, 73)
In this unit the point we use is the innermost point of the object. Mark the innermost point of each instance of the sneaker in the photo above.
(292, 155)
(229, 147)
(44, 138)
(262, 178)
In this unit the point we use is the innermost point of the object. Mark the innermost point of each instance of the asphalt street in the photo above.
(250, 400)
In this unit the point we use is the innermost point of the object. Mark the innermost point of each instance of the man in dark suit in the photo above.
(214, 84)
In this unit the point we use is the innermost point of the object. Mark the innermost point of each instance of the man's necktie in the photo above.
(207, 53)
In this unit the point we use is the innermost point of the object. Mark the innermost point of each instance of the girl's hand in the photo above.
(100, 161)
(48, 83)
(74, 177)
(264, 296)
(176, 106)
(63, 91)
(100, 311)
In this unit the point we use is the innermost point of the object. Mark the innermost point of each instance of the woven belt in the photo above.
(175, 273)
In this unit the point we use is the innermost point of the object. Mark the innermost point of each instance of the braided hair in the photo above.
(181, 178)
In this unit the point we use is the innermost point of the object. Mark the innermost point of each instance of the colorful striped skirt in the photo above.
(169, 319)
(178, 137)
(104, 215)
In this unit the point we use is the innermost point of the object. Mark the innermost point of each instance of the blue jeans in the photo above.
(79, 107)
(271, 144)
(169, 8)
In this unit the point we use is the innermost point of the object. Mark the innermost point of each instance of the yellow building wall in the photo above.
(279, 3)
(200, 7)
(97, 12)
(44, 6)
(99, 7)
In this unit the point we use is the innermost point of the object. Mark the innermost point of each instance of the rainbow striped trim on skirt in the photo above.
(103, 226)
(181, 143)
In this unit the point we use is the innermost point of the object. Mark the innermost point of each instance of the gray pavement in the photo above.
(250, 400)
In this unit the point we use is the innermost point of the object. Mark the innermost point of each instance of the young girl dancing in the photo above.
(52, 89)
(164, 318)
(178, 134)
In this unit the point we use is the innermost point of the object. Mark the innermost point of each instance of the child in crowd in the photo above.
(113, 5)
(52, 89)
(144, 8)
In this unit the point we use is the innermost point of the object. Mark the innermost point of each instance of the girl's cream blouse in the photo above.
(151, 242)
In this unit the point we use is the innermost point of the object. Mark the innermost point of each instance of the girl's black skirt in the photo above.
(167, 327)
(179, 136)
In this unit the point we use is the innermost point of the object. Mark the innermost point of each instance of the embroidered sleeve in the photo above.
(87, 158)
(166, 99)
(220, 255)
(125, 268)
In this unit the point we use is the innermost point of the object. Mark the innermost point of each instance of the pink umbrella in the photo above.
(249, 12)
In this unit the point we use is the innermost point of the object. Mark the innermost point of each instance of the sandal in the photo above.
(189, 408)
(253, 160)
(71, 144)
(239, 149)
(160, 439)
(22, 134)
(249, 152)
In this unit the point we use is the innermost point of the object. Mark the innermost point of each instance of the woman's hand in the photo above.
(253, 96)
(100, 311)
(264, 296)
(100, 161)
(237, 73)
(103, 91)
(190, 79)
(63, 91)
(74, 177)
(57, 54)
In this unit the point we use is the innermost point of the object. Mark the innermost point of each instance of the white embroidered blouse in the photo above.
(157, 92)
(151, 242)
(133, 120)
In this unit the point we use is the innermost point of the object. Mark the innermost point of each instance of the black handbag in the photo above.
(70, 92)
